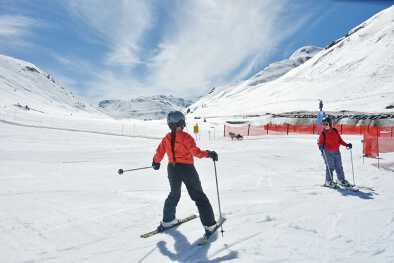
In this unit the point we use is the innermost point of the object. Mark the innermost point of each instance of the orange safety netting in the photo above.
(376, 139)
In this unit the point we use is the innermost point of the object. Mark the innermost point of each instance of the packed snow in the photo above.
(62, 200)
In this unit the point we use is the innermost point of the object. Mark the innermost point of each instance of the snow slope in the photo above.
(278, 69)
(22, 83)
(153, 107)
(356, 74)
(53, 106)
(62, 201)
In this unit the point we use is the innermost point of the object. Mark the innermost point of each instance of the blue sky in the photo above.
(122, 49)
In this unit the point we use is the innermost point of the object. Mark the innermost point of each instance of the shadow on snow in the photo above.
(191, 252)
(361, 194)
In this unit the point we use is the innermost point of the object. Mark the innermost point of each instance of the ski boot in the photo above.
(344, 183)
(330, 184)
(164, 225)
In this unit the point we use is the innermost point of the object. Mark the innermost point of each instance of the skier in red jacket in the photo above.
(180, 148)
(329, 142)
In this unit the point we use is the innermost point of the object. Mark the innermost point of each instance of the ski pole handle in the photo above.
(121, 171)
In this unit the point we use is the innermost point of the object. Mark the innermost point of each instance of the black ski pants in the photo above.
(187, 174)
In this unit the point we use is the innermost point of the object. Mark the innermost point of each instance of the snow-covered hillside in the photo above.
(355, 73)
(24, 85)
(154, 107)
(277, 69)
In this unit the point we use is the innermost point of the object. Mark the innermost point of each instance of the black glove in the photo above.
(213, 155)
(349, 146)
(155, 166)
(321, 147)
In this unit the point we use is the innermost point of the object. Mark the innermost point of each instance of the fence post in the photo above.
(224, 130)
(287, 129)
(377, 143)
(313, 128)
(248, 128)
(391, 131)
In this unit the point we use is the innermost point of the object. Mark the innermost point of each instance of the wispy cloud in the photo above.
(121, 25)
(178, 47)
(214, 38)
(206, 42)
(14, 30)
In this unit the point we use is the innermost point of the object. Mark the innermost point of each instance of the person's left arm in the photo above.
(195, 151)
(341, 141)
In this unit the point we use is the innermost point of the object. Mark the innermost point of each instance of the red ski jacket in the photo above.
(185, 149)
(331, 140)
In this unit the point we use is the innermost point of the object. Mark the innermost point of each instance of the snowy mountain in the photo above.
(277, 69)
(355, 73)
(153, 107)
(25, 86)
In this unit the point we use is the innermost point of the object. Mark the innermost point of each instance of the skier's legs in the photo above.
(330, 165)
(173, 197)
(194, 188)
(338, 166)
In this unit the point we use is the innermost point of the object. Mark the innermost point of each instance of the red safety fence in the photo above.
(378, 140)
(375, 139)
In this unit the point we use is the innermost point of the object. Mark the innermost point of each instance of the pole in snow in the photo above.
(217, 190)
(328, 167)
(351, 159)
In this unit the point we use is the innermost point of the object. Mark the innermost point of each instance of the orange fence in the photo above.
(375, 139)
(378, 140)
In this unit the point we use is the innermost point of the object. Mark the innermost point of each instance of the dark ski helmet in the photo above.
(327, 120)
(176, 119)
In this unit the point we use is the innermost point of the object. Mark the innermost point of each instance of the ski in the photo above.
(205, 239)
(349, 188)
(342, 187)
(158, 230)
(364, 187)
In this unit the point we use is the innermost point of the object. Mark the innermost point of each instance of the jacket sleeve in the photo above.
(195, 151)
(160, 151)
(321, 140)
(341, 141)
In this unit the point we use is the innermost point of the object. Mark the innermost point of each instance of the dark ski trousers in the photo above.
(187, 174)
(334, 162)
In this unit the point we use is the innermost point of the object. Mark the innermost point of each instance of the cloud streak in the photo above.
(213, 38)
(151, 46)
(121, 25)
(15, 29)
(206, 42)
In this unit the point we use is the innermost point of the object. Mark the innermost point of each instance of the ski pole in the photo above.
(351, 159)
(328, 167)
(121, 171)
(217, 190)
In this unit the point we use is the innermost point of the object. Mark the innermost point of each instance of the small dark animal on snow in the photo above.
(235, 136)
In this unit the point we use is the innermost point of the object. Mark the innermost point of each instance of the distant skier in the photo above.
(180, 148)
(319, 118)
(329, 142)
(196, 130)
